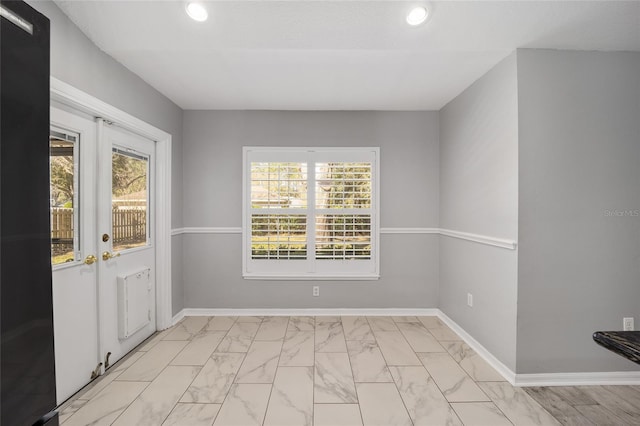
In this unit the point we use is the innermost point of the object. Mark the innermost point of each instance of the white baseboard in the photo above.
(579, 379)
(544, 379)
(311, 312)
(177, 317)
(520, 380)
(481, 350)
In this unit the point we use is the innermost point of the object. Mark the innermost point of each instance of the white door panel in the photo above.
(74, 282)
(120, 207)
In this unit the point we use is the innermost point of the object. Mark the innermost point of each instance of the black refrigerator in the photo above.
(27, 368)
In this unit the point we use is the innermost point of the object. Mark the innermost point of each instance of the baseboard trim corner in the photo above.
(178, 317)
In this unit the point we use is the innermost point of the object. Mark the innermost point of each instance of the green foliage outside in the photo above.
(61, 169)
(128, 175)
(284, 185)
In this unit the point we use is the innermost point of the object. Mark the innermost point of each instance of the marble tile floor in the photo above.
(328, 371)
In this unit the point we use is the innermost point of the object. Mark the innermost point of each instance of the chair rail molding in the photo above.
(476, 238)
(481, 239)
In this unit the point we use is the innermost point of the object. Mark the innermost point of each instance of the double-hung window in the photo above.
(310, 213)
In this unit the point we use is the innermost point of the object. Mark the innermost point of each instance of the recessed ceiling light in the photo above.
(417, 15)
(197, 11)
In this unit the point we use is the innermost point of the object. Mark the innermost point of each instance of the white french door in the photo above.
(126, 245)
(103, 251)
(74, 252)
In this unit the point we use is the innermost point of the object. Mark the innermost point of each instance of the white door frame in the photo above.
(68, 95)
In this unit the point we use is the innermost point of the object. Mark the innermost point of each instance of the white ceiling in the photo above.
(338, 55)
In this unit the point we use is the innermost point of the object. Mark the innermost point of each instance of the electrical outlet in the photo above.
(470, 300)
(627, 324)
(316, 291)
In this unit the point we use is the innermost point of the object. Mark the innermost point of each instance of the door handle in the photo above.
(90, 260)
(106, 255)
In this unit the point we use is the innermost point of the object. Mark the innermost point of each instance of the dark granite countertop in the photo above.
(625, 343)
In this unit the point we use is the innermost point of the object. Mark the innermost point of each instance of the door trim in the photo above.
(68, 95)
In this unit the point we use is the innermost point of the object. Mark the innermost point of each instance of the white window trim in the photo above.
(282, 273)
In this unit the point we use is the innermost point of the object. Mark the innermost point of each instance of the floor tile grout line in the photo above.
(158, 375)
(313, 392)
(129, 405)
(393, 378)
(438, 386)
(234, 376)
(233, 382)
(201, 368)
(481, 402)
(353, 376)
(266, 410)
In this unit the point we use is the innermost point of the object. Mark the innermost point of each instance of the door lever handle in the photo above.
(90, 260)
(106, 255)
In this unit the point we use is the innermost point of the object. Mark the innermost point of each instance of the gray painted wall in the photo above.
(213, 142)
(479, 194)
(578, 269)
(77, 61)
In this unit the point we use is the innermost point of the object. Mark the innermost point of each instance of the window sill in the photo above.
(370, 277)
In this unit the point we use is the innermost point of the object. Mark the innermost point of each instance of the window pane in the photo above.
(278, 236)
(343, 185)
(343, 237)
(63, 193)
(278, 185)
(129, 200)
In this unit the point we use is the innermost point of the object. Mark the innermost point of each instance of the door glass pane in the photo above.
(63, 187)
(130, 198)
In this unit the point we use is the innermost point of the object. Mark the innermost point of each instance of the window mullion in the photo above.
(311, 213)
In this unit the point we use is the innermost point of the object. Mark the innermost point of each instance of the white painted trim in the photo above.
(311, 265)
(579, 379)
(317, 277)
(482, 239)
(177, 317)
(409, 230)
(207, 230)
(163, 235)
(238, 230)
(317, 312)
(68, 95)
